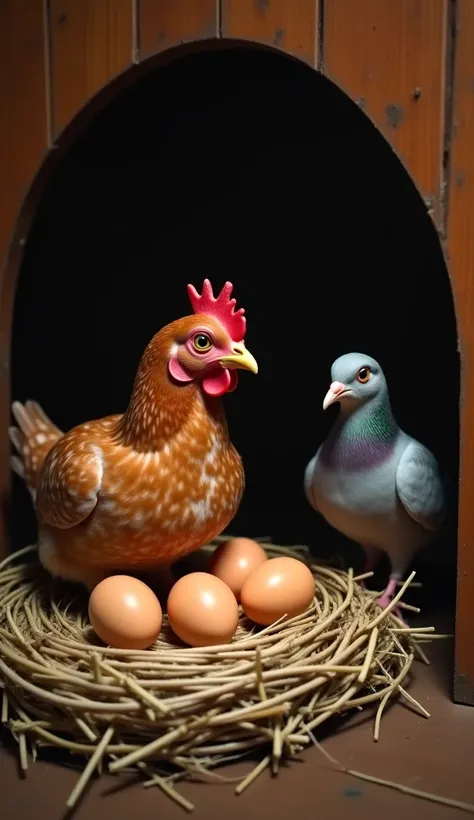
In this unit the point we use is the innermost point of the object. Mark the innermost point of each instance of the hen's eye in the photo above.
(202, 343)
(363, 375)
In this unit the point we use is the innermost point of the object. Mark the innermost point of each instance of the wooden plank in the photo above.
(390, 58)
(23, 131)
(290, 25)
(166, 23)
(23, 146)
(91, 43)
(460, 252)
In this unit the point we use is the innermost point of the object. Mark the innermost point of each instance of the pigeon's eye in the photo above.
(202, 343)
(363, 375)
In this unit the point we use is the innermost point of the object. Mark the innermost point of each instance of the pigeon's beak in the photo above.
(335, 392)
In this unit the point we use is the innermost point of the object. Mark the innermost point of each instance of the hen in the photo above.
(140, 490)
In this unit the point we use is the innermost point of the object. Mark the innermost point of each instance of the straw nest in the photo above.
(192, 708)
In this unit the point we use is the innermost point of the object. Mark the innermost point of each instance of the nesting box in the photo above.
(374, 104)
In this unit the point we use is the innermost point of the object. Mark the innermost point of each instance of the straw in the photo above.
(194, 708)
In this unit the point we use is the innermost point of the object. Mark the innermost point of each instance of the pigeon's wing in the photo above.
(308, 480)
(419, 486)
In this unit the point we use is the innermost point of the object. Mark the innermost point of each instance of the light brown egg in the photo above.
(234, 560)
(202, 610)
(280, 586)
(125, 612)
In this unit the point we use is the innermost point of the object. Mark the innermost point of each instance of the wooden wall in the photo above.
(394, 58)
(460, 254)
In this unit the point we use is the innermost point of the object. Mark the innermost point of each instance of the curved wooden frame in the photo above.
(409, 65)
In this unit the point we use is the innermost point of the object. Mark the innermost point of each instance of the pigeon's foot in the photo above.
(384, 600)
(387, 597)
(383, 603)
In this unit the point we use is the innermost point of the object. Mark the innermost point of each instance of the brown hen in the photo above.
(138, 491)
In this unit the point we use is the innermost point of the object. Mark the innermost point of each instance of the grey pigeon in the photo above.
(370, 480)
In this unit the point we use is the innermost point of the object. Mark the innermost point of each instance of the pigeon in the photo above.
(369, 479)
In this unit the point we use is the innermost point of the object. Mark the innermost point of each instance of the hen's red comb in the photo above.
(221, 307)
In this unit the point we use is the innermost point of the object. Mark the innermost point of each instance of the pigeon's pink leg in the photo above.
(387, 596)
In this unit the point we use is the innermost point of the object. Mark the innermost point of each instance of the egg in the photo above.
(125, 612)
(280, 586)
(234, 560)
(202, 610)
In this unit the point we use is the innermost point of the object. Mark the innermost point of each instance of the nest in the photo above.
(193, 709)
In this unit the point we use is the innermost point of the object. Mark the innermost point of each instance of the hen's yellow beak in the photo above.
(241, 359)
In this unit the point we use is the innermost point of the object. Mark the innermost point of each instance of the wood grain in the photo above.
(166, 23)
(460, 252)
(290, 25)
(23, 132)
(390, 58)
(91, 43)
(23, 146)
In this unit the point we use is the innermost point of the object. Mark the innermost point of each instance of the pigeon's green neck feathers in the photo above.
(361, 439)
(373, 422)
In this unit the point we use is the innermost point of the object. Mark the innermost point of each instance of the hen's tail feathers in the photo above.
(32, 439)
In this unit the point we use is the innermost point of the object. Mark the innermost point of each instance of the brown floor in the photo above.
(434, 755)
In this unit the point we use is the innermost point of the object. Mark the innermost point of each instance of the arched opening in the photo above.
(248, 166)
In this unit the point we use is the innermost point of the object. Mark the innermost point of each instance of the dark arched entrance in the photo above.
(246, 165)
